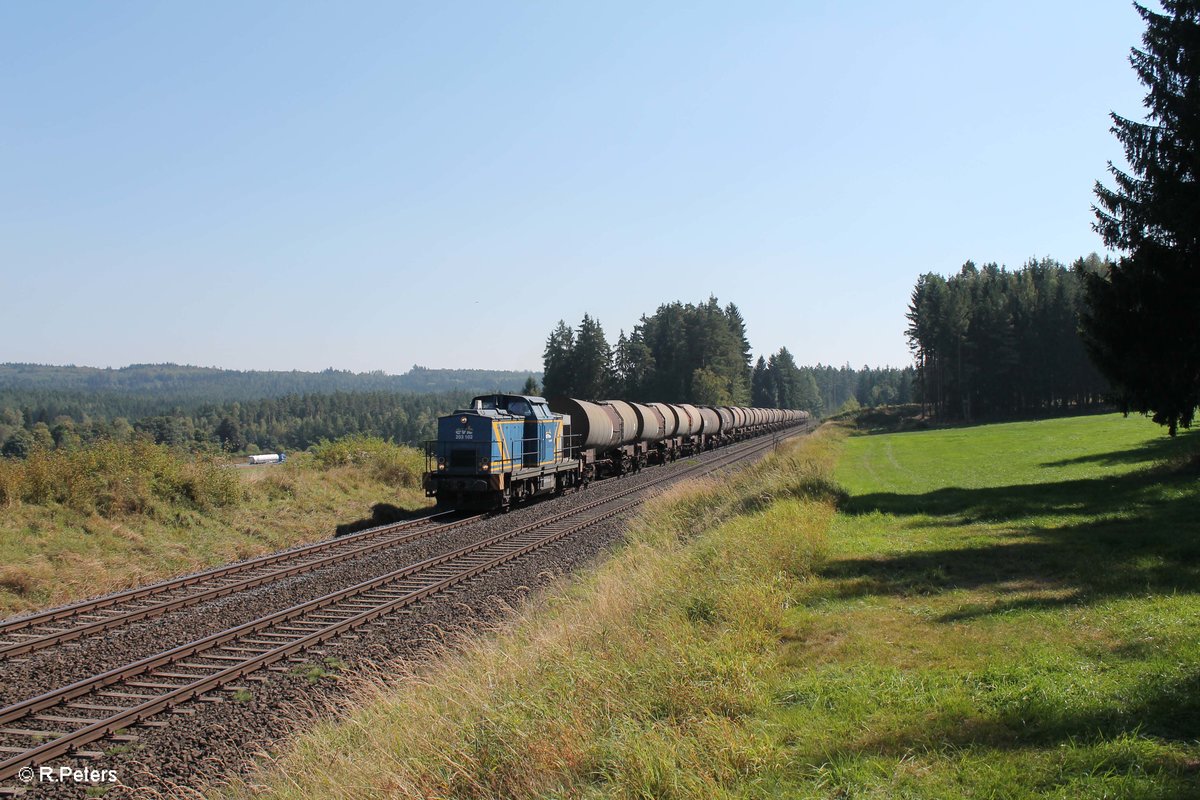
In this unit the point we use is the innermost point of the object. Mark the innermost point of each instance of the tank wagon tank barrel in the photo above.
(629, 420)
(652, 425)
(710, 421)
(592, 424)
(670, 421)
(692, 415)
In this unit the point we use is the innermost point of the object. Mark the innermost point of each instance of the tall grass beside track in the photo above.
(1004, 611)
(118, 514)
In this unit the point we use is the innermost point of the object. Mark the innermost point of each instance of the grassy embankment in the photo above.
(115, 515)
(1001, 611)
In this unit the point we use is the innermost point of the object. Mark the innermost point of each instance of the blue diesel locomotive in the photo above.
(505, 448)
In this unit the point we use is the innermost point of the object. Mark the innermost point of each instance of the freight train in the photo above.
(508, 448)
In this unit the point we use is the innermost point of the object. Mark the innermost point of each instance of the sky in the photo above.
(370, 186)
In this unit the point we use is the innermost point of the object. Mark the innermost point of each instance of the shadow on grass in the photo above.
(1094, 742)
(1163, 448)
(381, 514)
(901, 419)
(1166, 708)
(1060, 544)
(1143, 536)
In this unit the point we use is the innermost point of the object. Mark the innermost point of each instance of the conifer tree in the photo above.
(1142, 325)
(558, 376)
(739, 380)
(621, 379)
(760, 392)
(591, 361)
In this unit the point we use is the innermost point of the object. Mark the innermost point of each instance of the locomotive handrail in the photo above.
(483, 451)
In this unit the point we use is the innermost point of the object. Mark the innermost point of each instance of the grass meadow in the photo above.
(1002, 611)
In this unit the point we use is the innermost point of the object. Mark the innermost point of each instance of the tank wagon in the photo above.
(509, 448)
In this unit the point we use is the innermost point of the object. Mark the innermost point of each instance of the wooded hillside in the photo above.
(187, 384)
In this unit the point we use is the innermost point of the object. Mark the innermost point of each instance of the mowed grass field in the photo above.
(1007, 611)
(1000, 611)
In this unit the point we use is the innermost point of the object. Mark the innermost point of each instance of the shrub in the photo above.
(113, 478)
(11, 479)
(390, 463)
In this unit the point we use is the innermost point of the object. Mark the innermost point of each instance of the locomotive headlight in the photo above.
(462, 420)
(485, 466)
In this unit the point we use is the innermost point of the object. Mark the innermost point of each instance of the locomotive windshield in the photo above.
(517, 406)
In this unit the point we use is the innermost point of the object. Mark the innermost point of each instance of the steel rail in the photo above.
(60, 612)
(509, 545)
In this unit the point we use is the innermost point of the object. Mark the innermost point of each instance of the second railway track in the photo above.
(68, 623)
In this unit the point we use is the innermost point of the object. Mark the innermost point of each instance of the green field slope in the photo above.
(1002, 611)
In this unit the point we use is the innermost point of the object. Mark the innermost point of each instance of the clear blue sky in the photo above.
(372, 185)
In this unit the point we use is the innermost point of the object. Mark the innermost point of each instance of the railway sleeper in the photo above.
(220, 657)
(184, 675)
(303, 627)
(64, 720)
(193, 665)
(95, 707)
(28, 732)
(251, 650)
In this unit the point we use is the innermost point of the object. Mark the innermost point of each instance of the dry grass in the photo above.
(114, 516)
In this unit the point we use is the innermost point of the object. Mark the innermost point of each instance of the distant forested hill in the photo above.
(197, 407)
(188, 385)
(69, 419)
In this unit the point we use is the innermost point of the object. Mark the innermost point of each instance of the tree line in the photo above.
(845, 387)
(989, 341)
(187, 384)
(64, 420)
(700, 353)
(682, 353)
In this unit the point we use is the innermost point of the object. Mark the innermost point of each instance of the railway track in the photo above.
(55, 626)
(66, 720)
